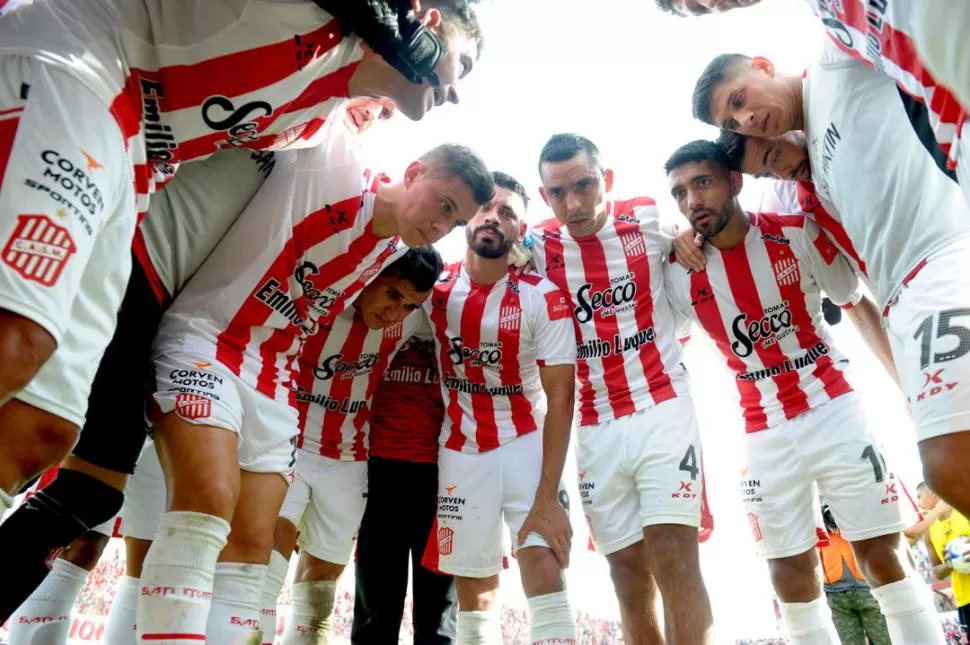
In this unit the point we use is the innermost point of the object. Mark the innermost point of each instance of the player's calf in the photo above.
(638, 595)
(945, 460)
(479, 621)
(673, 553)
(314, 597)
(550, 615)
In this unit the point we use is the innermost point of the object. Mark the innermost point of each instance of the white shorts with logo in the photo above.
(145, 502)
(67, 218)
(833, 446)
(206, 393)
(929, 328)
(476, 492)
(326, 502)
(640, 470)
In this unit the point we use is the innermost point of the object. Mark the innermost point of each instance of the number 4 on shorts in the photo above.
(689, 462)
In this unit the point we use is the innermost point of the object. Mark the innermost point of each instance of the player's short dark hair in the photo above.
(699, 150)
(509, 182)
(670, 7)
(421, 266)
(920, 485)
(723, 68)
(733, 145)
(459, 15)
(564, 146)
(462, 162)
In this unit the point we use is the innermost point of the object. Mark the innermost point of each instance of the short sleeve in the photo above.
(832, 271)
(554, 329)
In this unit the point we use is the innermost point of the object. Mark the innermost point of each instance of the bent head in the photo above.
(400, 288)
(501, 222)
(456, 25)
(702, 7)
(744, 95)
(575, 183)
(784, 157)
(444, 188)
(704, 186)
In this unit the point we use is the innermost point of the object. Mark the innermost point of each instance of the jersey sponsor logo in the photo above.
(239, 123)
(830, 141)
(786, 272)
(193, 406)
(409, 374)
(160, 144)
(38, 249)
(700, 295)
(509, 318)
(40, 620)
(81, 192)
(627, 219)
(586, 488)
(557, 306)
(777, 239)
(306, 50)
(319, 300)
(468, 387)
(767, 331)
(806, 359)
(633, 244)
(195, 379)
(446, 540)
(488, 355)
(334, 365)
(265, 161)
(279, 301)
(555, 262)
(345, 406)
(934, 384)
(750, 489)
(599, 348)
(619, 296)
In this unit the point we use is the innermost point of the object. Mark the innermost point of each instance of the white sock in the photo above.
(45, 617)
(120, 629)
(551, 619)
(909, 611)
(236, 593)
(275, 577)
(479, 628)
(176, 578)
(312, 616)
(809, 623)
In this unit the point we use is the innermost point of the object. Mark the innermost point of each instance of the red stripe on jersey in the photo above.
(521, 410)
(242, 72)
(709, 315)
(744, 290)
(810, 203)
(470, 327)
(653, 367)
(8, 132)
(389, 345)
(825, 370)
(331, 434)
(439, 320)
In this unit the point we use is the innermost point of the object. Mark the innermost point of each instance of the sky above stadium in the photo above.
(621, 74)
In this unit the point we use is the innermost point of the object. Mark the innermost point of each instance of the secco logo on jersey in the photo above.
(776, 325)
(333, 365)
(193, 406)
(219, 113)
(620, 296)
(39, 249)
(319, 299)
(557, 306)
(488, 355)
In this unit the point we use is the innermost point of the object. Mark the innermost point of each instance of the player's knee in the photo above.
(477, 594)
(541, 571)
(879, 559)
(628, 570)
(317, 570)
(284, 536)
(214, 497)
(34, 440)
(85, 551)
(794, 579)
(24, 347)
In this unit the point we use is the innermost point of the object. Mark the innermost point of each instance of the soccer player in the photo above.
(340, 368)
(226, 370)
(638, 449)
(506, 351)
(100, 101)
(759, 300)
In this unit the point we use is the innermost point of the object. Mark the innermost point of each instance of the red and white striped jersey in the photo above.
(292, 262)
(879, 35)
(184, 79)
(629, 357)
(761, 304)
(799, 197)
(491, 341)
(340, 369)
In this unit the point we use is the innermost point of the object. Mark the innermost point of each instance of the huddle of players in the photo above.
(242, 353)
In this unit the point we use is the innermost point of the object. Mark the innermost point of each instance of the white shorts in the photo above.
(144, 497)
(67, 217)
(476, 491)
(834, 447)
(206, 393)
(326, 502)
(640, 470)
(929, 328)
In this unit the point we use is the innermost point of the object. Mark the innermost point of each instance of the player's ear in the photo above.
(542, 193)
(523, 227)
(763, 64)
(608, 179)
(737, 182)
(413, 173)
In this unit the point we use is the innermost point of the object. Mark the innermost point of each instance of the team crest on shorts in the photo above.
(446, 539)
(39, 249)
(755, 527)
(192, 406)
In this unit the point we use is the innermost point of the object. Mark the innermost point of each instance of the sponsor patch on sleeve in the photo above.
(557, 305)
(825, 248)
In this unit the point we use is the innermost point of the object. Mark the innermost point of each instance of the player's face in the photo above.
(704, 194)
(575, 190)
(435, 203)
(754, 103)
(703, 7)
(784, 157)
(927, 498)
(387, 300)
(363, 113)
(496, 225)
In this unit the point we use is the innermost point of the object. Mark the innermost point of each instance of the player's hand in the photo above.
(689, 247)
(549, 519)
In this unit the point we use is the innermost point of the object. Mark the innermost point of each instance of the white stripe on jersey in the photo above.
(339, 370)
(629, 355)
(491, 340)
(299, 253)
(761, 304)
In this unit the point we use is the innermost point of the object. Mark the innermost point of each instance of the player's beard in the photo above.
(488, 249)
(721, 219)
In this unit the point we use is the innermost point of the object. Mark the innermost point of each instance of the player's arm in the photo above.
(917, 531)
(867, 318)
(941, 570)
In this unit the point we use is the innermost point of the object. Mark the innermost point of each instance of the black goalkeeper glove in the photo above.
(392, 30)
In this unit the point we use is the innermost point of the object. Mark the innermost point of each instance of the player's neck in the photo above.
(387, 203)
(733, 234)
(797, 88)
(485, 271)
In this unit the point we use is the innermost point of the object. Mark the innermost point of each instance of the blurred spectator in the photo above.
(948, 525)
